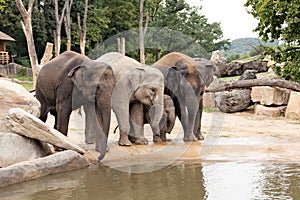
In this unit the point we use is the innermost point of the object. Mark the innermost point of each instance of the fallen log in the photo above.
(23, 123)
(53, 164)
(254, 82)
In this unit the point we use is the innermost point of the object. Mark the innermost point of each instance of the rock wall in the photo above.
(13, 69)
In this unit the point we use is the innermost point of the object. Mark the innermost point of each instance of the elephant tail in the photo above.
(115, 130)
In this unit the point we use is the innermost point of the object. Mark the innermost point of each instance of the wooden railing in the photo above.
(4, 57)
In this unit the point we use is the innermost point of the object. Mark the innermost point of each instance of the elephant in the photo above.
(166, 124)
(138, 84)
(71, 80)
(207, 70)
(185, 84)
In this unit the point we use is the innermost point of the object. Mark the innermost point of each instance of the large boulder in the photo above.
(218, 58)
(16, 148)
(13, 95)
(270, 111)
(293, 107)
(266, 95)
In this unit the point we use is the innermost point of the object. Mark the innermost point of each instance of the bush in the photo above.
(24, 61)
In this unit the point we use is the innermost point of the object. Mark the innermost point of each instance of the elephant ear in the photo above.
(172, 78)
(76, 75)
(136, 78)
(182, 67)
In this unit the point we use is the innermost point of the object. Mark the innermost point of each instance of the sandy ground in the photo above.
(228, 137)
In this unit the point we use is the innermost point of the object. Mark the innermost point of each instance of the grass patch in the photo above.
(27, 86)
(211, 110)
(22, 78)
(229, 78)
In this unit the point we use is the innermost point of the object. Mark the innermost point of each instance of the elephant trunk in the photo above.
(156, 113)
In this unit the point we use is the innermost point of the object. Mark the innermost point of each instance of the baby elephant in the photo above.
(167, 121)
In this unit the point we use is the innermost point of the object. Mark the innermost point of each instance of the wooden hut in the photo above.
(4, 56)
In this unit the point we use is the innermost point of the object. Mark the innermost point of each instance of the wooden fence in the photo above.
(4, 57)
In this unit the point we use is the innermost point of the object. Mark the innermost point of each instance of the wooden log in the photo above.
(53, 164)
(23, 123)
(255, 82)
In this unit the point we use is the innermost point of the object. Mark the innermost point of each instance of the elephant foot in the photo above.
(124, 141)
(199, 136)
(131, 138)
(163, 136)
(141, 141)
(156, 138)
(190, 138)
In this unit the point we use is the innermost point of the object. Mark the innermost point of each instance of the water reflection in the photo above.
(227, 180)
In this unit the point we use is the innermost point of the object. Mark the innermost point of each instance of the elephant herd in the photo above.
(137, 94)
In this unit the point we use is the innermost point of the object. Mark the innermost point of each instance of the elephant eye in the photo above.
(153, 89)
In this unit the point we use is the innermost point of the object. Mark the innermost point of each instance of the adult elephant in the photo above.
(185, 84)
(166, 123)
(71, 80)
(207, 70)
(142, 85)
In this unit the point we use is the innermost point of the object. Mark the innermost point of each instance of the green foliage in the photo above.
(179, 16)
(280, 20)
(288, 56)
(2, 5)
(107, 18)
(22, 71)
(23, 61)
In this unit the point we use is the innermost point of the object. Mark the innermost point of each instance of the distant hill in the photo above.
(245, 45)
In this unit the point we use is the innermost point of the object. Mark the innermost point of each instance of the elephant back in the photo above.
(119, 63)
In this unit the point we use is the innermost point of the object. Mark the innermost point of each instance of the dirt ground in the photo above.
(240, 137)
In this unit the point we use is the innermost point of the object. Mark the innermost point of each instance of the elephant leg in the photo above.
(163, 135)
(188, 118)
(103, 111)
(137, 123)
(54, 113)
(90, 122)
(197, 128)
(63, 116)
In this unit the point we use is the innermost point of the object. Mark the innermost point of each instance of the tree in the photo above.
(27, 28)
(2, 2)
(82, 31)
(57, 32)
(67, 20)
(280, 20)
(142, 31)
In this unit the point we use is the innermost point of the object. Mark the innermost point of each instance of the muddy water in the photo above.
(212, 180)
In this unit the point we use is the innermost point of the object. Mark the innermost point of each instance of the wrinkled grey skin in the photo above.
(141, 85)
(71, 80)
(185, 85)
(167, 121)
(207, 70)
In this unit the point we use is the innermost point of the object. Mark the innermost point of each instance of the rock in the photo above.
(233, 101)
(266, 95)
(238, 68)
(218, 58)
(57, 163)
(209, 100)
(277, 111)
(14, 95)
(16, 148)
(293, 107)
(28, 125)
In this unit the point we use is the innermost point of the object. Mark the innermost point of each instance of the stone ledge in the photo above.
(269, 111)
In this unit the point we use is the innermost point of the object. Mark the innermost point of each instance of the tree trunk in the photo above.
(47, 54)
(67, 20)
(255, 82)
(142, 48)
(59, 20)
(27, 28)
(82, 30)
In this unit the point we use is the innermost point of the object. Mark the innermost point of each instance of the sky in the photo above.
(234, 19)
